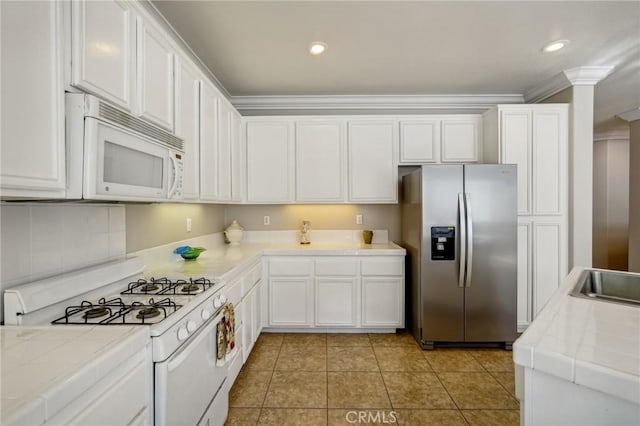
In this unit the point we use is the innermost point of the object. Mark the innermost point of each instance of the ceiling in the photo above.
(258, 48)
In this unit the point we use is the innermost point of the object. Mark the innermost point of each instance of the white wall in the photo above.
(41, 240)
(634, 196)
(611, 201)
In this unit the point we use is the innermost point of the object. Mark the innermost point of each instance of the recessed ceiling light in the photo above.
(317, 47)
(554, 46)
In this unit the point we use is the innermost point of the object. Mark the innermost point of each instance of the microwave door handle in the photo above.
(174, 165)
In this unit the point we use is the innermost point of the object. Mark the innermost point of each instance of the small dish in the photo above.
(192, 253)
(182, 249)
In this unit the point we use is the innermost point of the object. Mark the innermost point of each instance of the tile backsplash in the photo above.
(41, 240)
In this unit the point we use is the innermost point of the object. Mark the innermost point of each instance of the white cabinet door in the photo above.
(319, 161)
(460, 140)
(188, 124)
(373, 165)
(382, 301)
(335, 300)
(290, 302)
(419, 141)
(269, 161)
(515, 137)
(238, 169)
(525, 247)
(549, 160)
(225, 139)
(154, 71)
(209, 98)
(548, 265)
(103, 49)
(32, 152)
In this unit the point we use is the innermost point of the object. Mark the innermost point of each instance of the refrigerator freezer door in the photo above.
(490, 293)
(442, 298)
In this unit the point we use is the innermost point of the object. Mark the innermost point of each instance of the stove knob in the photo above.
(217, 302)
(223, 298)
(206, 314)
(182, 333)
(191, 326)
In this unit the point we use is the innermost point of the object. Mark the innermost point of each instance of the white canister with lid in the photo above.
(233, 233)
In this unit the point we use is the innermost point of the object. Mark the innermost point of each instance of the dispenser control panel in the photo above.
(443, 243)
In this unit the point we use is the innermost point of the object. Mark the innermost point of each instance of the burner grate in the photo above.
(164, 286)
(116, 311)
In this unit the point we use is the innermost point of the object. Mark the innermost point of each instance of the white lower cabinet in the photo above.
(335, 302)
(382, 301)
(338, 292)
(290, 301)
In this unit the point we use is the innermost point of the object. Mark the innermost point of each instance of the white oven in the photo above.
(186, 381)
(124, 157)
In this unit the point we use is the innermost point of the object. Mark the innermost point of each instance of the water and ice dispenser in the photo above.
(443, 242)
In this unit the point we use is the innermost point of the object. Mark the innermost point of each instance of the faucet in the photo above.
(304, 233)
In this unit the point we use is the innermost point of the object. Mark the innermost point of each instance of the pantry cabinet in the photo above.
(269, 150)
(320, 154)
(103, 49)
(32, 157)
(187, 95)
(154, 71)
(373, 165)
(535, 138)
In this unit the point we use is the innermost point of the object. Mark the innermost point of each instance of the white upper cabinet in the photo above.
(549, 160)
(103, 49)
(373, 164)
(269, 150)
(187, 124)
(237, 163)
(209, 101)
(32, 153)
(320, 152)
(225, 141)
(154, 71)
(419, 141)
(460, 140)
(535, 138)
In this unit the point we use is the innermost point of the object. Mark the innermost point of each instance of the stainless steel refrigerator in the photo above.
(459, 229)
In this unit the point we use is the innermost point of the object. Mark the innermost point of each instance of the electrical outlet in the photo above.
(266, 220)
(358, 219)
(188, 224)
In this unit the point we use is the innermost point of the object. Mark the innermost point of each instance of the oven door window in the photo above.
(130, 166)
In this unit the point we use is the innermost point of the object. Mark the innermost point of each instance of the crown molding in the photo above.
(588, 75)
(373, 102)
(631, 115)
(612, 135)
(579, 76)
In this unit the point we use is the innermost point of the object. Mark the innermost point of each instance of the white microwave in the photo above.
(113, 155)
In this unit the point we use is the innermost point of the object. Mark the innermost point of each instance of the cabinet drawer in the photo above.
(290, 267)
(234, 292)
(382, 266)
(336, 267)
(251, 278)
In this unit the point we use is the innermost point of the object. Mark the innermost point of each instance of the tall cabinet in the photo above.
(535, 138)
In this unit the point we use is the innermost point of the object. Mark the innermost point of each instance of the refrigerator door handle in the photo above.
(469, 223)
(462, 213)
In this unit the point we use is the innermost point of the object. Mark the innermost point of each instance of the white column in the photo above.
(633, 117)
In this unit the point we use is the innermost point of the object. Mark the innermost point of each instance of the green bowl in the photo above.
(192, 253)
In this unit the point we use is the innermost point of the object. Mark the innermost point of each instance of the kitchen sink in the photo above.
(609, 286)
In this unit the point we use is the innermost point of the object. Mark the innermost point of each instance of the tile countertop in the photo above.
(219, 261)
(588, 342)
(45, 368)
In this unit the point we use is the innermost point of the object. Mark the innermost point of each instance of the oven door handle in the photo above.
(190, 345)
